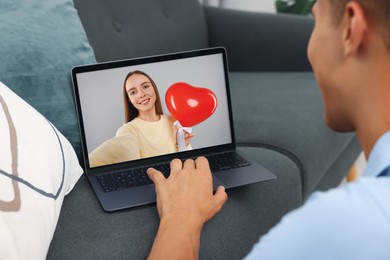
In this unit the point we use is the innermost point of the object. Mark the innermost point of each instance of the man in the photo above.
(350, 54)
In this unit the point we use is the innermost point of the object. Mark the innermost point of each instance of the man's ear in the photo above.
(355, 28)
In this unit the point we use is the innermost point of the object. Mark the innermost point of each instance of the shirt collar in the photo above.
(379, 159)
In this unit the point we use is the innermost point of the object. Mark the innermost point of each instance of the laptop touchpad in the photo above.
(217, 182)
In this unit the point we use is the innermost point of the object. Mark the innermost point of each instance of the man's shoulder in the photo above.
(369, 193)
(333, 223)
(349, 213)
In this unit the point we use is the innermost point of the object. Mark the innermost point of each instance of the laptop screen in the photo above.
(149, 107)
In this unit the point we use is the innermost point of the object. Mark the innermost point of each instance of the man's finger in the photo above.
(155, 175)
(220, 198)
(202, 163)
(189, 164)
(176, 166)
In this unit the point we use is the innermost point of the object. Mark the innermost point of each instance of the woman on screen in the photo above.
(147, 131)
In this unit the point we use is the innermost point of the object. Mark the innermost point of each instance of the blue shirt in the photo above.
(349, 222)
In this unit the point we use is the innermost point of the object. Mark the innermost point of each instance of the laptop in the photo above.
(114, 161)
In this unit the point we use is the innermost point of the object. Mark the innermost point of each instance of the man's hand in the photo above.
(185, 201)
(188, 190)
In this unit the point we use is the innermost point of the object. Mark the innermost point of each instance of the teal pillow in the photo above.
(40, 42)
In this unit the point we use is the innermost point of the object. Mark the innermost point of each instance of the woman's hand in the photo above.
(188, 137)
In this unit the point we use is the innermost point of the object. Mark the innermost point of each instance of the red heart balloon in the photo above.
(190, 105)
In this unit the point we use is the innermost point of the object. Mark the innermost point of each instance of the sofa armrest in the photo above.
(259, 41)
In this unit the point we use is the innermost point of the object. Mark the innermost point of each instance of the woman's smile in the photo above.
(144, 101)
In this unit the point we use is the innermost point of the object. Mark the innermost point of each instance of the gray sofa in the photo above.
(277, 113)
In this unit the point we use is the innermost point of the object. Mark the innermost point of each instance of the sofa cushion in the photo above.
(38, 167)
(85, 231)
(129, 29)
(260, 41)
(40, 42)
(284, 112)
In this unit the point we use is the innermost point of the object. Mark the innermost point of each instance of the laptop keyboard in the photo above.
(226, 161)
(129, 178)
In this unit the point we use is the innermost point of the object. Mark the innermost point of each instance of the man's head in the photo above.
(347, 48)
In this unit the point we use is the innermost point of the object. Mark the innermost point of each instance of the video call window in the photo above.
(109, 135)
